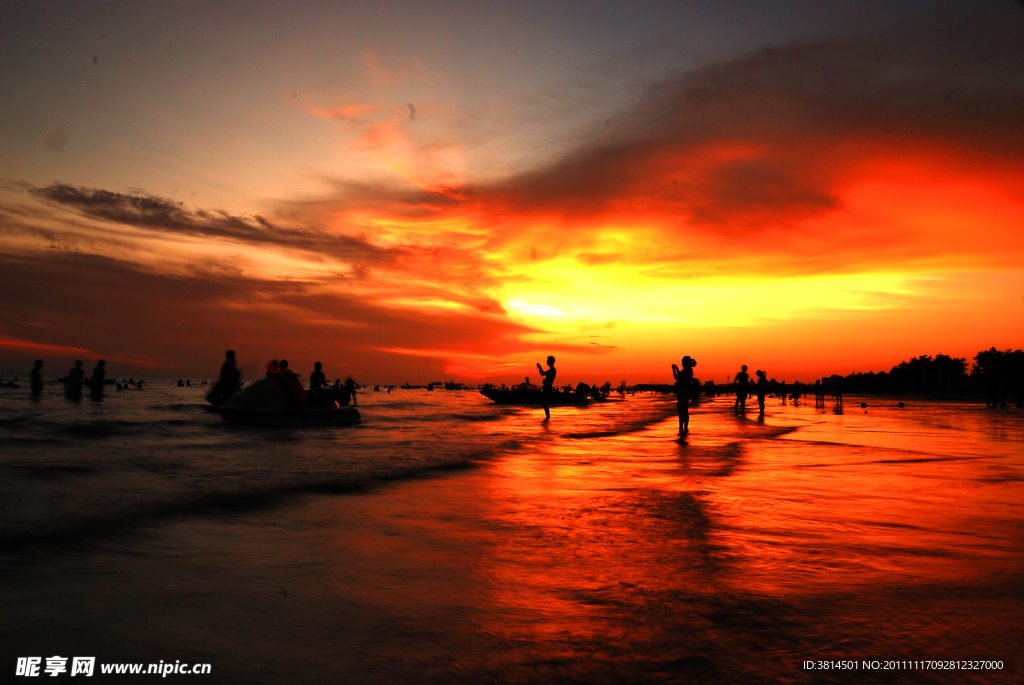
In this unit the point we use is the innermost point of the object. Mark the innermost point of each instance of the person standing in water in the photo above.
(348, 393)
(549, 381)
(742, 390)
(761, 389)
(684, 381)
(36, 378)
(73, 385)
(230, 377)
(99, 375)
(317, 379)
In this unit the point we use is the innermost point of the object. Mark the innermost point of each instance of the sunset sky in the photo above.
(423, 191)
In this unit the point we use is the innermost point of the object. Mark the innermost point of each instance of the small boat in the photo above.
(534, 398)
(266, 403)
(286, 417)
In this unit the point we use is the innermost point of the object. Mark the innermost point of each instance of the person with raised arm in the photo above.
(548, 383)
(684, 381)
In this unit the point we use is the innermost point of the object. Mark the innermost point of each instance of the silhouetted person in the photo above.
(229, 383)
(819, 394)
(684, 381)
(348, 393)
(73, 384)
(839, 392)
(36, 378)
(230, 376)
(99, 375)
(761, 388)
(742, 390)
(546, 385)
(291, 382)
(317, 379)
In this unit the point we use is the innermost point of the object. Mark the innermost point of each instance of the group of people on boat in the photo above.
(319, 392)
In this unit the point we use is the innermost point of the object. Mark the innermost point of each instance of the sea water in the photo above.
(143, 455)
(447, 538)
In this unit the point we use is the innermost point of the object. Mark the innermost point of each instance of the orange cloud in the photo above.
(816, 204)
(379, 75)
(343, 112)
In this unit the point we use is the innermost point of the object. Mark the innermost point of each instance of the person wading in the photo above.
(548, 384)
(684, 381)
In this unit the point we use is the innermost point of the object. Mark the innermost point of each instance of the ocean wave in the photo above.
(180, 406)
(89, 429)
(50, 471)
(33, 441)
(72, 529)
(623, 427)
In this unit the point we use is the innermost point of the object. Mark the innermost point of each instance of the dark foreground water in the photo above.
(446, 539)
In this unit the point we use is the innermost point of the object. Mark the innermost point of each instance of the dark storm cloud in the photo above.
(68, 299)
(167, 216)
(759, 141)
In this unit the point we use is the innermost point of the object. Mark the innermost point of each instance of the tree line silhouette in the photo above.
(996, 374)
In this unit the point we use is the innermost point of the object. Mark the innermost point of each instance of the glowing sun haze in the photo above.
(409, 192)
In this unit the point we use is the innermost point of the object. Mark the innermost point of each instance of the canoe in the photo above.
(275, 417)
(534, 398)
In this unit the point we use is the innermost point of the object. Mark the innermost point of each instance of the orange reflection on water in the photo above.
(597, 544)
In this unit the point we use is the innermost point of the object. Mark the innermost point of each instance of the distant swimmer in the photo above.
(73, 384)
(761, 388)
(742, 390)
(99, 375)
(317, 379)
(547, 383)
(36, 378)
(684, 381)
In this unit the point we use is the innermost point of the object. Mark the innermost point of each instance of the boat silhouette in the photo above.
(534, 398)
